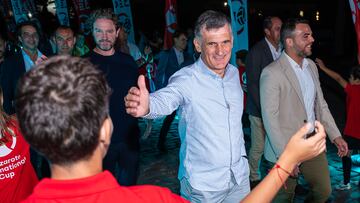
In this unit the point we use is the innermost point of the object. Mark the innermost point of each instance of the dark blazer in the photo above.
(13, 68)
(258, 58)
(168, 65)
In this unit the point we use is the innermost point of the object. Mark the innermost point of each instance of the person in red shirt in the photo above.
(17, 176)
(63, 110)
(352, 127)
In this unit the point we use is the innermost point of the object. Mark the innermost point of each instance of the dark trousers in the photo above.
(123, 163)
(316, 173)
(353, 143)
(165, 128)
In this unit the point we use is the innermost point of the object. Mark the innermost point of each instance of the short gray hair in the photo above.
(210, 20)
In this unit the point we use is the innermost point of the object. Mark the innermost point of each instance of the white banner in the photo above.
(20, 11)
(62, 12)
(123, 11)
(239, 24)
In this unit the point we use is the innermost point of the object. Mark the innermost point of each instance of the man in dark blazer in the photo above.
(261, 54)
(170, 62)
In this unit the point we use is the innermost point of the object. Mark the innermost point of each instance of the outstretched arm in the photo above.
(331, 73)
(137, 99)
(297, 150)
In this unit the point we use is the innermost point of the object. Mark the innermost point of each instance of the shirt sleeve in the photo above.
(168, 99)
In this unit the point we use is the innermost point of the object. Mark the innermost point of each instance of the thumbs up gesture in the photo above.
(137, 99)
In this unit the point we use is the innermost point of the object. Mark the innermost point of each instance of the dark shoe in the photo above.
(254, 183)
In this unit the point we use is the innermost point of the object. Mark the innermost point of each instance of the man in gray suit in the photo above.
(290, 95)
(261, 54)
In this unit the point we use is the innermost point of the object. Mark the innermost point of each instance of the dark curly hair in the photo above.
(103, 14)
(61, 105)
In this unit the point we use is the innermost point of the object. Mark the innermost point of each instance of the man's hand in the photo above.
(137, 99)
(342, 146)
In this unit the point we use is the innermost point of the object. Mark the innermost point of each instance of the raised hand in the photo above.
(299, 149)
(137, 99)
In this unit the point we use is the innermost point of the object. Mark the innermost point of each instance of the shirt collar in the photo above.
(293, 64)
(206, 70)
(275, 53)
(177, 51)
(76, 187)
(39, 54)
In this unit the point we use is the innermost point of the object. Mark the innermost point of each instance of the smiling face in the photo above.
(300, 44)
(215, 47)
(29, 38)
(105, 34)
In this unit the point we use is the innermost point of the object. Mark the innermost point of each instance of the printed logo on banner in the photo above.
(238, 10)
(240, 16)
(171, 19)
(62, 12)
(20, 11)
(125, 22)
(122, 9)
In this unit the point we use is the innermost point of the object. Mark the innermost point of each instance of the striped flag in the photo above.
(355, 10)
(171, 22)
(239, 24)
(122, 10)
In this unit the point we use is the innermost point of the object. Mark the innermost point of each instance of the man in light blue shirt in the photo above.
(213, 165)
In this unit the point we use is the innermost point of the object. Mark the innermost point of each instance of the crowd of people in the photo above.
(70, 110)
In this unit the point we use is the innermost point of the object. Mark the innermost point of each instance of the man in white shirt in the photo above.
(290, 94)
(15, 66)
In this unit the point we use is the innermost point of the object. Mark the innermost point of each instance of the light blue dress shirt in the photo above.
(27, 60)
(210, 129)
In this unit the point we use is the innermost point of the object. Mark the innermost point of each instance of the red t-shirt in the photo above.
(352, 127)
(102, 187)
(17, 176)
